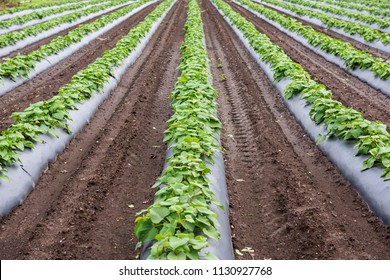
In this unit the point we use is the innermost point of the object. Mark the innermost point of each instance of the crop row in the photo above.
(366, 32)
(44, 117)
(381, 22)
(37, 6)
(42, 14)
(21, 65)
(13, 37)
(180, 218)
(353, 57)
(383, 4)
(371, 137)
(348, 5)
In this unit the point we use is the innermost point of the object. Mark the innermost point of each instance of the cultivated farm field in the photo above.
(195, 129)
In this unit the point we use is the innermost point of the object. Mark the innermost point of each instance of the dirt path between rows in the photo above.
(346, 88)
(84, 205)
(46, 40)
(334, 34)
(287, 201)
(46, 85)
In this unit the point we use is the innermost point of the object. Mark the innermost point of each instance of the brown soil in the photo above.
(287, 201)
(292, 203)
(84, 205)
(46, 85)
(44, 41)
(356, 44)
(346, 88)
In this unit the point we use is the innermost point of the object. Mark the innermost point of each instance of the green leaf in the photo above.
(210, 256)
(167, 230)
(198, 242)
(206, 211)
(175, 242)
(157, 214)
(178, 256)
(59, 115)
(189, 218)
(211, 232)
(4, 178)
(20, 145)
(386, 174)
(386, 161)
(192, 255)
(368, 163)
(145, 231)
(188, 225)
(320, 138)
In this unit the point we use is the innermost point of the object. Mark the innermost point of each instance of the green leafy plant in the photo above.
(372, 10)
(19, 20)
(180, 219)
(21, 65)
(12, 38)
(353, 57)
(368, 33)
(384, 4)
(44, 117)
(371, 138)
(381, 22)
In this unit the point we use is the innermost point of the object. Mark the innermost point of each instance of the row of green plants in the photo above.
(372, 10)
(42, 4)
(383, 4)
(42, 118)
(12, 38)
(19, 20)
(353, 58)
(21, 65)
(368, 33)
(381, 22)
(370, 137)
(180, 218)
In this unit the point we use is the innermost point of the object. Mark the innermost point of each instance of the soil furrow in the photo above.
(45, 85)
(34, 46)
(84, 205)
(291, 203)
(334, 34)
(346, 88)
